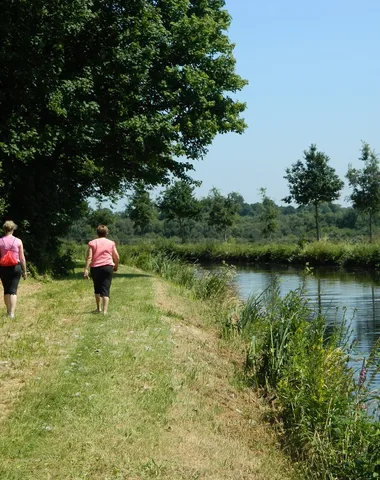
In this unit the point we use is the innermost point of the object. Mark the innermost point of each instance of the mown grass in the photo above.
(139, 394)
(106, 388)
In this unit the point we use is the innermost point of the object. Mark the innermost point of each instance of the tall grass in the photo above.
(327, 410)
(322, 253)
(203, 284)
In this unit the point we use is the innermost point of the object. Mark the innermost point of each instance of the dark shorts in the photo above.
(10, 278)
(102, 278)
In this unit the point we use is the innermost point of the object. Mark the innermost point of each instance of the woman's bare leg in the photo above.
(12, 305)
(97, 300)
(6, 301)
(105, 302)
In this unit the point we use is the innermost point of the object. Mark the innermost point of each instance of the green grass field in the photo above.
(149, 391)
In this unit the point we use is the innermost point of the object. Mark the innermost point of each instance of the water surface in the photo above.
(353, 294)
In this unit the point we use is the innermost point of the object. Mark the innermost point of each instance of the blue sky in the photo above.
(314, 77)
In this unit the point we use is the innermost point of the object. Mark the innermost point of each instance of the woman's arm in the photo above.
(88, 262)
(115, 258)
(22, 260)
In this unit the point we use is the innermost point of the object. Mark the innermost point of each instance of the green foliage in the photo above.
(178, 203)
(269, 215)
(222, 210)
(323, 406)
(365, 185)
(63, 262)
(97, 95)
(101, 216)
(314, 254)
(338, 223)
(203, 284)
(313, 182)
(141, 209)
(2, 199)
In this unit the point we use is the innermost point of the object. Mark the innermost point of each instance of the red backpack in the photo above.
(9, 259)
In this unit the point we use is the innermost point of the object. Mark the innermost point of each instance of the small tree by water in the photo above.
(312, 182)
(365, 184)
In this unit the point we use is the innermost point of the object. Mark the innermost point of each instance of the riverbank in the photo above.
(150, 391)
(359, 255)
(324, 411)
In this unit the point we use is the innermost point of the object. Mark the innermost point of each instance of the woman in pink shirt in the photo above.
(10, 276)
(103, 259)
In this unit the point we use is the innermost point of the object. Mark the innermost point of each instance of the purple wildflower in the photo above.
(363, 375)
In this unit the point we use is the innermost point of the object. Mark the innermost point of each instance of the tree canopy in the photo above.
(97, 95)
(313, 182)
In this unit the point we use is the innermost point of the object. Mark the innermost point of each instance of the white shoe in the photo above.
(11, 315)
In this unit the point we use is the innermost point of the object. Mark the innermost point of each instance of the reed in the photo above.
(328, 411)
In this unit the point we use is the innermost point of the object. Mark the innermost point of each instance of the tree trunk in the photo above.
(317, 221)
(370, 225)
(182, 230)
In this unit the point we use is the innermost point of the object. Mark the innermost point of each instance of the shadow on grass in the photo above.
(79, 275)
(131, 275)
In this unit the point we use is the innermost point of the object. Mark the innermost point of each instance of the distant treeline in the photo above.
(218, 218)
(313, 187)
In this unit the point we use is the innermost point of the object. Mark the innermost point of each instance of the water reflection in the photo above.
(352, 295)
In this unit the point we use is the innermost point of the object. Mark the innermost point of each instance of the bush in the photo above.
(63, 263)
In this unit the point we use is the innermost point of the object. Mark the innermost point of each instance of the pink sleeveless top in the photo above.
(101, 252)
(9, 242)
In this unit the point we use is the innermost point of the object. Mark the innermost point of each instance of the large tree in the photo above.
(365, 184)
(96, 95)
(312, 182)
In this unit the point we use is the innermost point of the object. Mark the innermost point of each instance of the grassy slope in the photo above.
(147, 392)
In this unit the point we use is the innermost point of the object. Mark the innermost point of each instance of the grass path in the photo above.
(146, 392)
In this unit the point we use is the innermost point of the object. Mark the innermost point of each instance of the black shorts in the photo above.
(102, 278)
(10, 278)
